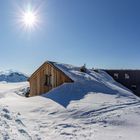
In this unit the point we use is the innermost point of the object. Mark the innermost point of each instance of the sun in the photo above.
(29, 19)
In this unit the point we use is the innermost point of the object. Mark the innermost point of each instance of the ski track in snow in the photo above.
(95, 115)
(60, 123)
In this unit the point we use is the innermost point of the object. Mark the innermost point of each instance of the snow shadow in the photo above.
(66, 93)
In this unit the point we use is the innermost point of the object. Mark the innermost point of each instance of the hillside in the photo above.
(93, 107)
(12, 76)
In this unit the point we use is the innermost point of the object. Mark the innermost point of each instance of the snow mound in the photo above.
(84, 83)
(94, 106)
(70, 112)
(12, 76)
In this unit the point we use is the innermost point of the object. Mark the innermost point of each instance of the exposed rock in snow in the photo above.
(12, 76)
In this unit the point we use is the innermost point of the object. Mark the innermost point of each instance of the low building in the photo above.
(51, 75)
(47, 77)
(128, 78)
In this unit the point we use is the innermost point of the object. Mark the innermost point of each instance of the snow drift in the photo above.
(91, 81)
(93, 107)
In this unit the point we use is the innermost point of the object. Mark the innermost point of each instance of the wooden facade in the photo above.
(45, 78)
(128, 78)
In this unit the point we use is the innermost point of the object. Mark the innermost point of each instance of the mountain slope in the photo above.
(12, 76)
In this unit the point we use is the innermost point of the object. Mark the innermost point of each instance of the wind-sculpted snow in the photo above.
(91, 81)
(94, 107)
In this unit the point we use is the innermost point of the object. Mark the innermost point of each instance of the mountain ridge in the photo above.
(12, 76)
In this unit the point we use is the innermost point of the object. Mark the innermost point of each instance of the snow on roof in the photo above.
(90, 75)
(67, 69)
(74, 72)
(99, 81)
(84, 83)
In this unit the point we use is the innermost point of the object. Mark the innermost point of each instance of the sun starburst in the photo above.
(28, 18)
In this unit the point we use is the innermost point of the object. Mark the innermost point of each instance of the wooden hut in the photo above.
(47, 77)
(127, 77)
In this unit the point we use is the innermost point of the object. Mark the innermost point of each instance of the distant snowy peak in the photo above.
(12, 76)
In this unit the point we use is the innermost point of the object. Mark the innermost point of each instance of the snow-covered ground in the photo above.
(94, 107)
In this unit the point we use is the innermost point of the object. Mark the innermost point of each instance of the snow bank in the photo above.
(93, 107)
(91, 81)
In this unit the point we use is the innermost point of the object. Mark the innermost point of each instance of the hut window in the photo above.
(48, 81)
(116, 75)
(127, 76)
(134, 87)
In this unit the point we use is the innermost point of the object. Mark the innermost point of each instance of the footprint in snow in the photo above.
(7, 116)
(25, 134)
(19, 122)
(5, 110)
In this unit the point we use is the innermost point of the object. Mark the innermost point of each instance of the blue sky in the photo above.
(100, 33)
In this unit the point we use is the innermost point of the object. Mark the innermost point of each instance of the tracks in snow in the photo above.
(12, 126)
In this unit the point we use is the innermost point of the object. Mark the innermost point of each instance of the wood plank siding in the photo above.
(38, 79)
